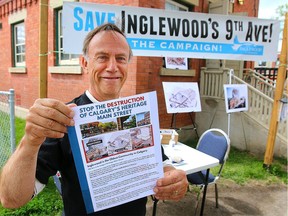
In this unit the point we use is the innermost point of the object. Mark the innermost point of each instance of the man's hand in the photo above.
(47, 118)
(173, 186)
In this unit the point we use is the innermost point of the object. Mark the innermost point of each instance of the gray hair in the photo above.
(104, 27)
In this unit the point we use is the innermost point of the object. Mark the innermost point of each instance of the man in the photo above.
(106, 54)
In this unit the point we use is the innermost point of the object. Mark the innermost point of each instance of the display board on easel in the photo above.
(182, 97)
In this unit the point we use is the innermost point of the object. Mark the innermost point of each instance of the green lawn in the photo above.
(48, 202)
(241, 167)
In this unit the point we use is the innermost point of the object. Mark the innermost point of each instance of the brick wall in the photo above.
(251, 7)
(25, 85)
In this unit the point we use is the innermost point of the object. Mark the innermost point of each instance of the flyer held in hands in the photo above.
(117, 151)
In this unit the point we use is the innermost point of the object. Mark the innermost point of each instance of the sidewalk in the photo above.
(251, 199)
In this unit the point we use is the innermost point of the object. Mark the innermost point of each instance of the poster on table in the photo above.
(117, 151)
(161, 33)
(182, 97)
(236, 97)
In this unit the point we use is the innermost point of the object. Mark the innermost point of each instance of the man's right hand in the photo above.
(47, 118)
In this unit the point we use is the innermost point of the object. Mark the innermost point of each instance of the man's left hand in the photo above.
(172, 186)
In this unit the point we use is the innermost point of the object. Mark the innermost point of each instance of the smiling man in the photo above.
(45, 147)
(106, 59)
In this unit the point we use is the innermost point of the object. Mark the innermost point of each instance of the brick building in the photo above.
(19, 51)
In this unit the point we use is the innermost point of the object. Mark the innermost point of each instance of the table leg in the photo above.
(155, 201)
(204, 192)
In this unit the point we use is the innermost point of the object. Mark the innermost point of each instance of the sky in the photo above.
(267, 8)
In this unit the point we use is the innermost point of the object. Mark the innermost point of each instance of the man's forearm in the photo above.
(17, 177)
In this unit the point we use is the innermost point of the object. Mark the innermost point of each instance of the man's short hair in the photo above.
(104, 27)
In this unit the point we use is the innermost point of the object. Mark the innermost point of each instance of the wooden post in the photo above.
(268, 158)
(43, 48)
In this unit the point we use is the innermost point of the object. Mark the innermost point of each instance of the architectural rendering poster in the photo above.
(236, 97)
(182, 97)
(117, 151)
(176, 63)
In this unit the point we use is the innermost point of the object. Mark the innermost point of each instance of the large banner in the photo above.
(157, 32)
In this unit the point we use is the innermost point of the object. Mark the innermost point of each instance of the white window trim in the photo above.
(15, 45)
(66, 62)
(20, 70)
(65, 70)
(178, 5)
(176, 72)
(59, 3)
(13, 18)
(17, 16)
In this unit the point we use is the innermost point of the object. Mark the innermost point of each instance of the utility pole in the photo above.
(281, 76)
(43, 48)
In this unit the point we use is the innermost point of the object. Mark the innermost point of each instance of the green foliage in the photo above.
(279, 169)
(281, 10)
(48, 202)
(242, 167)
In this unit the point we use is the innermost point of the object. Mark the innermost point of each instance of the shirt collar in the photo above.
(90, 96)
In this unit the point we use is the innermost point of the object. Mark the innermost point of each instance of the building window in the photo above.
(262, 64)
(172, 62)
(19, 44)
(172, 5)
(63, 58)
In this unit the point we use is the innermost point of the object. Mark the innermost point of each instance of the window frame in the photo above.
(176, 4)
(70, 59)
(15, 45)
(177, 7)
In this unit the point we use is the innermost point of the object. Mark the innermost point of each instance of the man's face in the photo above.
(107, 64)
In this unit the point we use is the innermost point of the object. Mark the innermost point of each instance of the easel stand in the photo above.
(173, 124)
(229, 114)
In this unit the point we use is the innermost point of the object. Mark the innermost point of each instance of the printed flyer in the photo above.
(117, 151)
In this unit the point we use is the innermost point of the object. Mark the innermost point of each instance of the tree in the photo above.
(281, 10)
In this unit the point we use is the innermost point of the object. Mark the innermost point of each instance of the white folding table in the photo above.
(193, 161)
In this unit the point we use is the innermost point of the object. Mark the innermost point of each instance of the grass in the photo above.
(19, 129)
(241, 167)
(47, 203)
